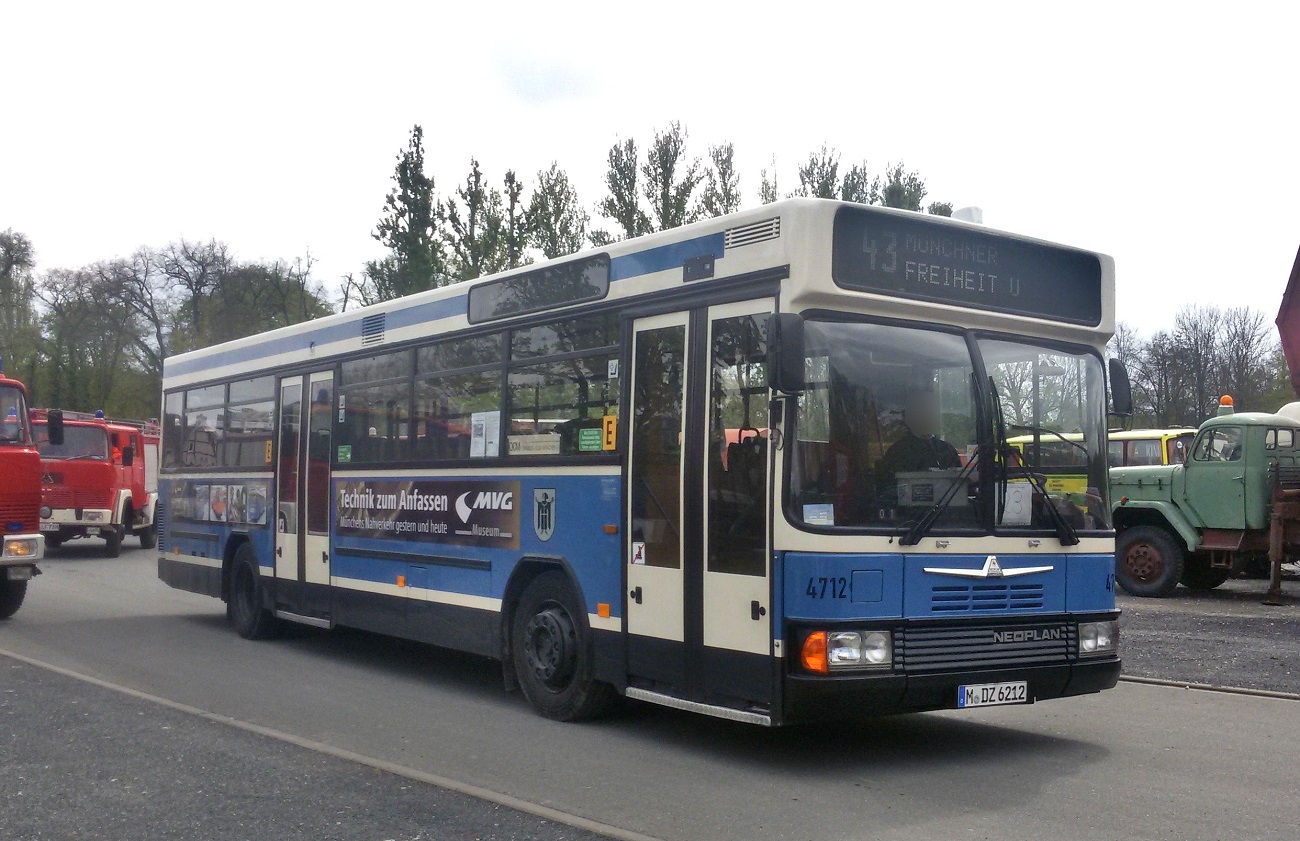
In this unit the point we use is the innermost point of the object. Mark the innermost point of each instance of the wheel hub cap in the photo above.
(551, 647)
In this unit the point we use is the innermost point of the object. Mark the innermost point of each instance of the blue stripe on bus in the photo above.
(620, 268)
(665, 257)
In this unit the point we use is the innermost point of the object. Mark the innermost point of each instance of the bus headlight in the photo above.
(832, 651)
(1096, 638)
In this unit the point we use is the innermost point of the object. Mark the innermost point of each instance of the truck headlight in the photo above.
(46, 512)
(1096, 638)
(21, 547)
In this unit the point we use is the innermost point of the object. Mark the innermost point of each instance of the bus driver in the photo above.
(920, 448)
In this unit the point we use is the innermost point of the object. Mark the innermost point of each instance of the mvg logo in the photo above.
(485, 501)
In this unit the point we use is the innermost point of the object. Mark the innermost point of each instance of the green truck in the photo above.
(1234, 502)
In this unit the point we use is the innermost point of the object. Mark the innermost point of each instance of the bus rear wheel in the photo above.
(1147, 561)
(12, 594)
(244, 607)
(550, 649)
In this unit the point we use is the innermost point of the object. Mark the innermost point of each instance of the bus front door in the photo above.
(302, 544)
(698, 566)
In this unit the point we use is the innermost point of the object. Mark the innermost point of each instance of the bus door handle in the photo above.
(635, 595)
(324, 557)
(756, 610)
(279, 551)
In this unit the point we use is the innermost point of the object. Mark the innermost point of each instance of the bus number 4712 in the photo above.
(828, 588)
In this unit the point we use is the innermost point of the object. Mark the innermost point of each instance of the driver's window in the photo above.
(1219, 444)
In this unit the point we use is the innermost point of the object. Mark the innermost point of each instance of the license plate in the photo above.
(49, 526)
(19, 573)
(993, 694)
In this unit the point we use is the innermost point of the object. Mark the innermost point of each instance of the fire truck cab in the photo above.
(102, 480)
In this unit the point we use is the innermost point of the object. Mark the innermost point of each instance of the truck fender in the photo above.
(1166, 515)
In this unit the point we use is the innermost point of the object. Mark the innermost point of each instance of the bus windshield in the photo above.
(81, 442)
(13, 416)
(889, 427)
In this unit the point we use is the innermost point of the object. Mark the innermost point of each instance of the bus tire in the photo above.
(244, 606)
(12, 594)
(148, 536)
(550, 648)
(1199, 575)
(1148, 561)
(113, 542)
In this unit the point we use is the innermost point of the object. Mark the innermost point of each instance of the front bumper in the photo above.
(77, 521)
(814, 697)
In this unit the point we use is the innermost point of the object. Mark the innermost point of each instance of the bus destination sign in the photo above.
(917, 258)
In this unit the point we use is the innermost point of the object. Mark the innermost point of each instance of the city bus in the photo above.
(680, 469)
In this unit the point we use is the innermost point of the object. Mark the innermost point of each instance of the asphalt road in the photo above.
(1138, 762)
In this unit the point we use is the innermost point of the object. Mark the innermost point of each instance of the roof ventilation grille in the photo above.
(372, 329)
(753, 232)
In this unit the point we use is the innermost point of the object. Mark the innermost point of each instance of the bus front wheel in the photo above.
(244, 607)
(550, 648)
(1148, 562)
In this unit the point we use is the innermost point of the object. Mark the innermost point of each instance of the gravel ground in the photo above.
(80, 761)
(1223, 637)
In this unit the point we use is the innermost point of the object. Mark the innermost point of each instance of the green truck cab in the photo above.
(1198, 521)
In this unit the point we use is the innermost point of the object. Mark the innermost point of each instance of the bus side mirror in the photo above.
(1121, 394)
(128, 456)
(54, 427)
(785, 356)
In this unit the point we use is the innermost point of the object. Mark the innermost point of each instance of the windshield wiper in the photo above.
(1065, 532)
(921, 526)
(1041, 429)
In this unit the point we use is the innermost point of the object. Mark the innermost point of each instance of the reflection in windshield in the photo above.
(88, 442)
(889, 431)
(13, 416)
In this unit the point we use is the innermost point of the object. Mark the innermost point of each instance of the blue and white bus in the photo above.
(754, 467)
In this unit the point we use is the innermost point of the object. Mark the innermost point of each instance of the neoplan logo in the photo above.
(485, 501)
(1031, 635)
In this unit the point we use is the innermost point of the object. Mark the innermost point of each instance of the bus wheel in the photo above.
(1199, 575)
(12, 594)
(149, 536)
(113, 542)
(244, 608)
(551, 651)
(1147, 561)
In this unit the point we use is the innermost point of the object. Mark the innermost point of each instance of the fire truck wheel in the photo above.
(113, 543)
(12, 594)
(1148, 561)
(244, 607)
(148, 536)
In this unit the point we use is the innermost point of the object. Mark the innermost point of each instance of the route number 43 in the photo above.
(828, 588)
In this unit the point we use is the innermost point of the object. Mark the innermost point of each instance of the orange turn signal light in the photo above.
(813, 654)
(401, 581)
(602, 610)
(610, 528)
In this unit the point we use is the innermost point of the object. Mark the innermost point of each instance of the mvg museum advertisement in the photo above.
(458, 512)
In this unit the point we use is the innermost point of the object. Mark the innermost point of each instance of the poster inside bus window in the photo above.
(914, 257)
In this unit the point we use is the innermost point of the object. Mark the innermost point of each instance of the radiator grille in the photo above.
(974, 598)
(752, 233)
(920, 650)
(19, 515)
(57, 497)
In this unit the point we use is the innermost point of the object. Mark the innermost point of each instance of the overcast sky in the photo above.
(1162, 133)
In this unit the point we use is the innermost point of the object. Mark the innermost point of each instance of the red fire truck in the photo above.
(102, 480)
(20, 497)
